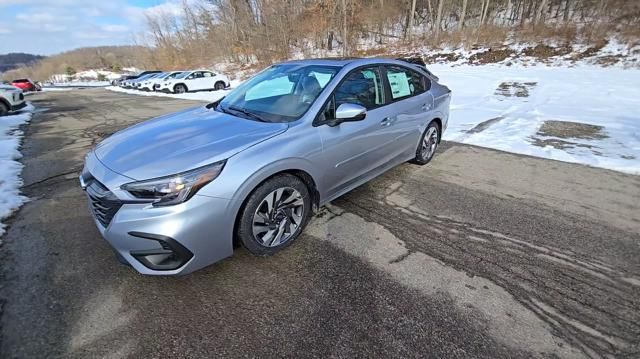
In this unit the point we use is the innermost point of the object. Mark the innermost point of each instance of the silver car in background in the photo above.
(173, 194)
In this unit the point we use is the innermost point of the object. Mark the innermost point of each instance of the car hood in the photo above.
(8, 87)
(182, 141)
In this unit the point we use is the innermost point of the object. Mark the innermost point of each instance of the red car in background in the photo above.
(25, 85)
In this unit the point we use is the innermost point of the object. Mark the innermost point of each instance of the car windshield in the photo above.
(281, 93)
(182, 75)
(171, 75)
(144, 77)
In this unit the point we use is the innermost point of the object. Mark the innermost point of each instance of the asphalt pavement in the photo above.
(479, 254)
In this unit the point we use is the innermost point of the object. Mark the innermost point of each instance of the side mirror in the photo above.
(348, 112)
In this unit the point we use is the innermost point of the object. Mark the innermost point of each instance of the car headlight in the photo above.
(170, 190)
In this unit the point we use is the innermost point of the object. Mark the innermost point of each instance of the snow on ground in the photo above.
(10, 168)
(585, 114)
(208, 96)
(80, 84)
(582, 114)
(48, 89)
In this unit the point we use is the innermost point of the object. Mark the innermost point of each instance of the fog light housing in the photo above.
(170, 256)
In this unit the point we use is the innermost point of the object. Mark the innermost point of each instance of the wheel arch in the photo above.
(251, 185)
(6, 103)
(181, 84)
(438, 122)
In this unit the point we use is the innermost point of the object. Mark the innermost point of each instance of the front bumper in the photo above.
(173, 240)
(18, 106)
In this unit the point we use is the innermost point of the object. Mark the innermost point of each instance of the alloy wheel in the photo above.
(430, 142)
(278, 217)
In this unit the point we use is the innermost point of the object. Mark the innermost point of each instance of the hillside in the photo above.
(17, 59)
(112, 58)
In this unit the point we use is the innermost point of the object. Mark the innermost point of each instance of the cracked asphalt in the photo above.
(479, 254)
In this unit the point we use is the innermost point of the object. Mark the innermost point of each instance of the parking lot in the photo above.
(479, 254)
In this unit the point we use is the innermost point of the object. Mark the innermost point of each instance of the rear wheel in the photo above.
(219, 86)
(180, 88)
(274, 215)
(428, 144)
(4, 109)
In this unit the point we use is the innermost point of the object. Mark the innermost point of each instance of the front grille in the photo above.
(104, 204)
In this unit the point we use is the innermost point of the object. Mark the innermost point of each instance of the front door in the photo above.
(351, 151)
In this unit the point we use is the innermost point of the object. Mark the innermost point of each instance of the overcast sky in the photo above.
(47, 27)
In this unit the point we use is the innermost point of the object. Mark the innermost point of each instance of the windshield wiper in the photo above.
(247, 113)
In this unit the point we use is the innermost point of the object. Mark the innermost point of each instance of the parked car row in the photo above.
(175, 81)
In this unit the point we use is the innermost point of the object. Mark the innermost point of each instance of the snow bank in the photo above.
(517, 101)
(208, 96)
(10, 168)
(82, 84)
(49, 89)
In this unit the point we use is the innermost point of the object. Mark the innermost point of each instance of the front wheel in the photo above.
(428, 144)
(274, 215)
(180, 88)
(4, 109)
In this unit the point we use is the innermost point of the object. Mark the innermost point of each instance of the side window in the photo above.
(191, 76)
(362, 87)
(208, 74)
(404, 82)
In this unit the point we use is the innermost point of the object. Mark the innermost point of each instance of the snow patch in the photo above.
(208, 96)
(589, 95)
(10, 168)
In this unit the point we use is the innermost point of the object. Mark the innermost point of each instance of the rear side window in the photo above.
(404, 82)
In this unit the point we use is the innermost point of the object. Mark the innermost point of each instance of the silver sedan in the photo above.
(173, 194)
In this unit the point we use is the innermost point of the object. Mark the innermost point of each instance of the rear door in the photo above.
(411, 103)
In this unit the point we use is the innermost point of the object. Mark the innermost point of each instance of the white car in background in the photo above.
(147, 84)
(198, 80)
(153, 83)
(11, 99)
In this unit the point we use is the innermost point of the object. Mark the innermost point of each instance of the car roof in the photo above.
(343, 61)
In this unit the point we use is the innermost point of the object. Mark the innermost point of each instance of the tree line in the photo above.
(267, 30)
(263, 31)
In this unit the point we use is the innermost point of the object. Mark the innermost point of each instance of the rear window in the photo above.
(21, 80)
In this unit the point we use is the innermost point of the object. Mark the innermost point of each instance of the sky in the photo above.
(47, 27)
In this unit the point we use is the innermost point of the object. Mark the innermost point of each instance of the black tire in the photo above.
(4, 109)
(427, 149)
(219, 86)
(180, 88)
(248, 217)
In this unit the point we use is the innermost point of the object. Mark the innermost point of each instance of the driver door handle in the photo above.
(387, 121)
